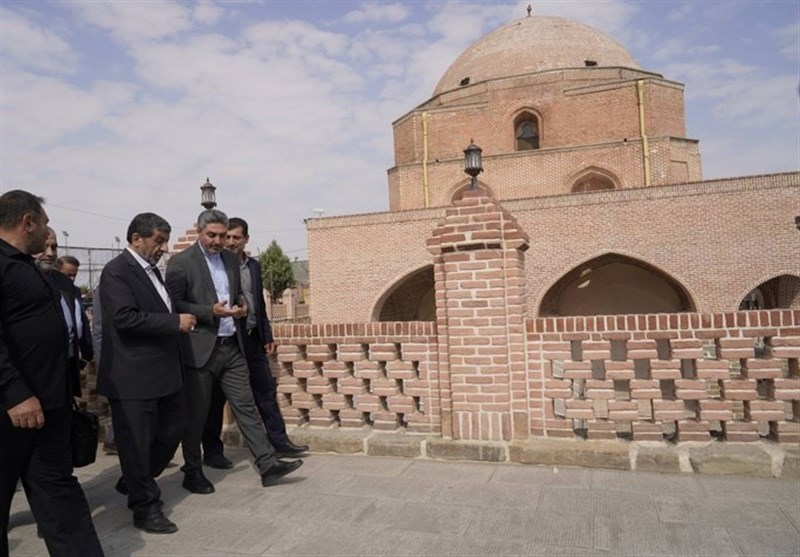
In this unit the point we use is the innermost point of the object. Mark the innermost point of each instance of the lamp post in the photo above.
(472, 163)
(117, 242)
(209, 200)
(66, 240)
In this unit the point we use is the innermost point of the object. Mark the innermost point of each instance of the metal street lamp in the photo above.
(472, 163)
(209, 200)
(66, 240)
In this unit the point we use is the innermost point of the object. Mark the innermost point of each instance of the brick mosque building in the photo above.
(593, 301)
(588, 152)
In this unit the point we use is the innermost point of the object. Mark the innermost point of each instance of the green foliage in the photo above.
(276, 270)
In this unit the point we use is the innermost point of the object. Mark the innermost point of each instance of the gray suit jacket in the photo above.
(192, 290)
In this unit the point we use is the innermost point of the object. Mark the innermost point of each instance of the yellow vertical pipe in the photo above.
(643, 132)
(425, 159)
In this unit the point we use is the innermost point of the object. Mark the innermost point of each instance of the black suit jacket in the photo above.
(33, 337)
(192, 289)
(82, 343)
(260, 309)
(141, 352)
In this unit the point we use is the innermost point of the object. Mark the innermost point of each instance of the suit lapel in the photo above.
(201, 267)
(141, 276)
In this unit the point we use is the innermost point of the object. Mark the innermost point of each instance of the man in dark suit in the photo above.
(258, 342)
(204, 280)
(140, 371)
(35, 412)
(79, 349)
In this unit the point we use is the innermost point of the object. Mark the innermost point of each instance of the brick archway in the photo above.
(411, 298)
(615, 284)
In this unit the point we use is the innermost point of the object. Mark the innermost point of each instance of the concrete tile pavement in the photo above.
(362, 505)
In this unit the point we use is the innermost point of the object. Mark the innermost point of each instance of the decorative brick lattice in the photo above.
(684, 377)
(378, 375)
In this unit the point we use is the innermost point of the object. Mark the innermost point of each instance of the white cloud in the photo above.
(375, 12)
(27, 44)
(133, 22)
(206, 12)
(789, 40)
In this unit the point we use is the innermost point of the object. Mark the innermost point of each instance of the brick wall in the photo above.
(686, 377)
(718, 238)
(603, 101)
(381, 375)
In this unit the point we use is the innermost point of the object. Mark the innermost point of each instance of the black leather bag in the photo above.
(84, 433)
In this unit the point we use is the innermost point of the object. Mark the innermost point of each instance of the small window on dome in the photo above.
(527, 133)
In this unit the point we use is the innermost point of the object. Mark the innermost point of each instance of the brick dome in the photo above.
(534, 44)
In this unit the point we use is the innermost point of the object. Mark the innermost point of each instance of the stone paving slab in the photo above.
(364, 505)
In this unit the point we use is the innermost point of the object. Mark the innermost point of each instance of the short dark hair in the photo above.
(211, 216)
(15, 204)
(68, 260)
(236, 222)
(145, 225)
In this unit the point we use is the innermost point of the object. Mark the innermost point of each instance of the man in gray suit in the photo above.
(204, 280)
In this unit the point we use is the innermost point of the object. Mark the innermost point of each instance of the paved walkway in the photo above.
(359, 505)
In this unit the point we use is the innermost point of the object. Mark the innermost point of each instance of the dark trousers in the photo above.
(42, 459)
(227, 367)
(264, 390)
(147, 434)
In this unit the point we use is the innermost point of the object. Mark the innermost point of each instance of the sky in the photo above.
(108, 109)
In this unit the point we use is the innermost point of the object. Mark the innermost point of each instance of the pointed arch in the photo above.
(593, 178)
(613, 284)
(456, 191)
(410, 297)
(778, 291)
(526, 126)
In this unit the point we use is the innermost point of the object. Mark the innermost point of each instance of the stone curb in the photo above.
(760, 459)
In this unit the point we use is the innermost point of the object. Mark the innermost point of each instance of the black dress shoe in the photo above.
(121, 487)
(196, 482)
(155, 523)
(218, 461)
(290, 450)
(279, 470)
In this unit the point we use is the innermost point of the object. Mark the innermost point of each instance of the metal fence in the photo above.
(92, 262)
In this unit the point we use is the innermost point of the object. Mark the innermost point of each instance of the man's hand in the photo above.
(239, 311)
(221, 309)
(27, 414)
(269, 348)
(187, 322)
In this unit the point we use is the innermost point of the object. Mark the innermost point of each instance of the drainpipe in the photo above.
(643, 132)
(425, 159)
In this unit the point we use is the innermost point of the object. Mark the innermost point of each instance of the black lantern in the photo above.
(472, 163)
(209, 199)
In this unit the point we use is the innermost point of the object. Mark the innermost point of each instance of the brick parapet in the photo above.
(380, 375)
(686, 377)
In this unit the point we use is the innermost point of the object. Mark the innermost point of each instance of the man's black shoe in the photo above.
(279, 470)
(218, 461)
(155, 523)
(121, 487)
(196, 482)
(290, 450)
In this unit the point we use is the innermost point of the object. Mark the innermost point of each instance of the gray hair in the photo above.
(211, 216)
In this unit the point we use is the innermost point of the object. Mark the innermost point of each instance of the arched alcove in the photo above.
(781, 292)
(593, 179)
(412, 298)
(614, 284)
(457, 192)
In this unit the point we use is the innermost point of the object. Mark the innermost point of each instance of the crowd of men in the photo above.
(170, 351)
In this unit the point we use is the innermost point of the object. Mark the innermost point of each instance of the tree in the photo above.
(276, 270)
